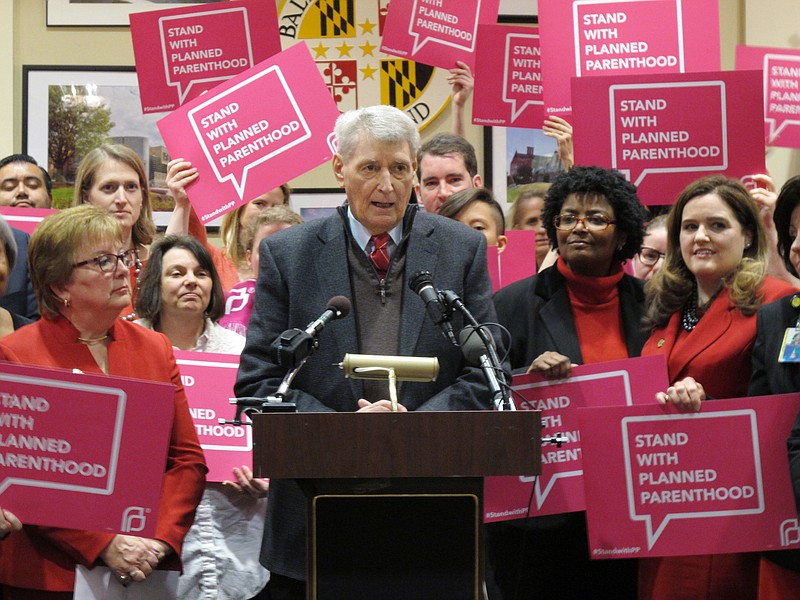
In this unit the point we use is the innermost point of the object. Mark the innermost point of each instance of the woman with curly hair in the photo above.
(584, 309)
(701, 309)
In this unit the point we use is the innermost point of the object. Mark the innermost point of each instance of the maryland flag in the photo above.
(403, 81)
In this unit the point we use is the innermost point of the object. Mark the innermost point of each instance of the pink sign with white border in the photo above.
(199, 47)
(655, 476)
(436, 32)
(254, 132)
(588, 38)
(521, 102)
(71, 451)
(781, 72)
(208, 380)
(25, 219)
(640, 126)
(559, 488)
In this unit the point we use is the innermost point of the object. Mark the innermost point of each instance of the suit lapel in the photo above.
(333, 277)
(422, 254)
(557, 318)
(711, 327)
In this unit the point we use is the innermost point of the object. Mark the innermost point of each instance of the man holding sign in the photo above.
(300, 268)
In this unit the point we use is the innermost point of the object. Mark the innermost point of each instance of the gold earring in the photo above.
(66, 302)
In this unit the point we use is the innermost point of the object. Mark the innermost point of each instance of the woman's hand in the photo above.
(561, 131)
(552, 365)
(686, 394)
(247, 484)
(8, 523)
(180, 173)
(131, 558)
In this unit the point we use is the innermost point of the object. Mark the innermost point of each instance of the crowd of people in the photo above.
(710, 282)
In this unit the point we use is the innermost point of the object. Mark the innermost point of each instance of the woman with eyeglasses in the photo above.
(648, 261)
(701, 310)
(583, 309)
(80, 269)
(113, 178)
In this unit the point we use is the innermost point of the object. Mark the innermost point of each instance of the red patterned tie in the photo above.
(380, 255)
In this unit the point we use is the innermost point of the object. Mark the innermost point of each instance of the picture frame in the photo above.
(516, 11)
(316, 204)
(94, 13)
(93, 89)
(506, 161)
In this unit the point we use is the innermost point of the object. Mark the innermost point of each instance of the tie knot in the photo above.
(381, 241)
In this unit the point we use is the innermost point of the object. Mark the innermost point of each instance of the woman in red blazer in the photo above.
(702, 312)
(80, 272)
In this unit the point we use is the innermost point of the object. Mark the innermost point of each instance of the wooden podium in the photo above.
(395, 500)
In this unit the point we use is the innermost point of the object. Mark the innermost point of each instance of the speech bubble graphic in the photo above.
(209, 46)
(236, 137)
(522, 73)
(451, 23)
(781, 93)
(628, 37)
(673, 473)
(652, 132)
(38, 447)
(560, 416)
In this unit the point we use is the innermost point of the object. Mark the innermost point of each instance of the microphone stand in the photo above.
(490, 362)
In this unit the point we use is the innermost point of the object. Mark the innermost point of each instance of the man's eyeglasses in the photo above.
(650, 256)
(108, 263)
(591, 222)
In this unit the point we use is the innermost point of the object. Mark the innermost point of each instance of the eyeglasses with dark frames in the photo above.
(108, 263)
(650, 256)
(591, 222)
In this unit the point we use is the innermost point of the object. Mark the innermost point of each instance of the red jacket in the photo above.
(44, 558)
(717, 352)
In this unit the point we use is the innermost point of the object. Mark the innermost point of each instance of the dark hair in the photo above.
(27, 158)
(611, 185)
(148, 298)
(462, 199)
(449, 143)
(788, 200)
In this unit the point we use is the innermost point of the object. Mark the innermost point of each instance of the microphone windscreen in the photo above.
(341, 305)
(419, 280)
(472, 346)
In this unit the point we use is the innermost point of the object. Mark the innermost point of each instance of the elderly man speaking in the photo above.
(367, 252)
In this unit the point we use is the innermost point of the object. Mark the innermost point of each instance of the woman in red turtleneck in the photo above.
(584, 309)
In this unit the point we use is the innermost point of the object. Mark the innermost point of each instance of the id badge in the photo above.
(790, 348)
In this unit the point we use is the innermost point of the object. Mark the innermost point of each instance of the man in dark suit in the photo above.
(19, 297)
(301, 268)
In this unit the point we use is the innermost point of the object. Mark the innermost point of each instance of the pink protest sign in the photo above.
(559, 488)
(521, 102)
(198, 48)
(25, 219)
(208, 380)
(436, 32)
(76, 440)
(589, 38)
(254, 132)
(781, 84)
(640, 126)
(655, 476)
(516, 261)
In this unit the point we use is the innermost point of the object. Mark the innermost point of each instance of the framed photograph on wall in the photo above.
(77, 13)
(67, 111)
(315, 204)
(519, 158)
(518, 11)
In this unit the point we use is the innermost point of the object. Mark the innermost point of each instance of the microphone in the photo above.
(478, 346)
(422, 284)
(293, 346)
(337, 307)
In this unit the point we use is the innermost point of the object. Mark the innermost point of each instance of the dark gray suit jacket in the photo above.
(19, 297)
(301, 268)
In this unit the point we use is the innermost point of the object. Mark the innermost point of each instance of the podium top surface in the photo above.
(409, 444)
